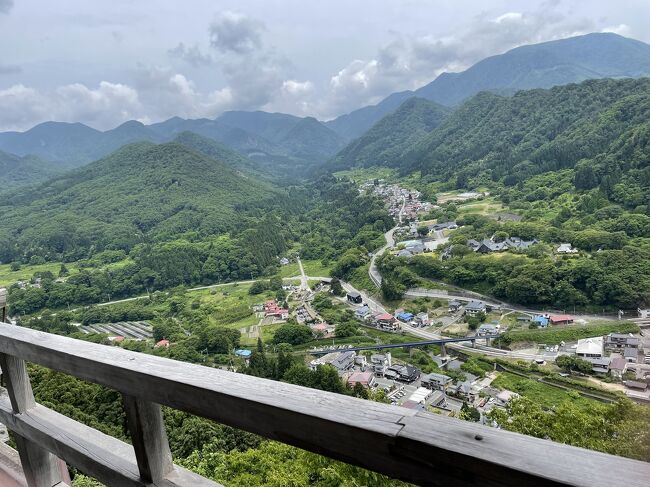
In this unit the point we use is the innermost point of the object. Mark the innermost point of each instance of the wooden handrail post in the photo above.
(41, 468)
(149, 438)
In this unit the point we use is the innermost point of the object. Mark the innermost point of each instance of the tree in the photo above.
(15, 266)
(258, 287)
(63, 271)
(293, 334)
(337, 289)
(423, 231)
(571, 363)
(347, 329)
(391, 289)
(469, 413)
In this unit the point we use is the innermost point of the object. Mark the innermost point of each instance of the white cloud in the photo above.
(235, 32)
(191, 55)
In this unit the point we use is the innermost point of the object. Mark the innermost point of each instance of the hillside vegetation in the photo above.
(392, 136)
(19, 171)
(141, 191)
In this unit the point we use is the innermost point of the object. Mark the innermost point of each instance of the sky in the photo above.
(103, 63)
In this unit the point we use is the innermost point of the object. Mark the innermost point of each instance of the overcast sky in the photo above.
(103, 63)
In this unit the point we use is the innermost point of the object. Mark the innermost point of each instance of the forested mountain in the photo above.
(592, 56)
(393, 135)
(310, 139)
(600, 127)
(140, 192)
(356, 123)
(19, 171)
(218, 151)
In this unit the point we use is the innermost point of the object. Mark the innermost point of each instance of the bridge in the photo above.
(439, 341)
(418, 447)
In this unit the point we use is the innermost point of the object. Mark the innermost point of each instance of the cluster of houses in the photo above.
(395, 196)
(389, 322)
(271, 308)
(627, 353)
(487, 246)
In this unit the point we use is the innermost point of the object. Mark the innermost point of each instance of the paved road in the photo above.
(373, 271)
(304, 285)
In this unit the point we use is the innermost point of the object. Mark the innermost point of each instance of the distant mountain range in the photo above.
(287, 145)
(591, 56)
(262, 136)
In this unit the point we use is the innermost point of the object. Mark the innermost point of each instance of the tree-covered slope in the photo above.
(19, 171)
(601, 127)
(309, 139)
(392, 136)
(139, 192)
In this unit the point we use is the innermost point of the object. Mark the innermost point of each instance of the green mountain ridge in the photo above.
(393, 135)
(140, 191)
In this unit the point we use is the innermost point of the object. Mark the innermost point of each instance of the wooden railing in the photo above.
(418, 447)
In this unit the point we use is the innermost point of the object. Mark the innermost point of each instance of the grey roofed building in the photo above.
(631, 354)
(344, 361)
(416, 248)
(404, 253)
(621, 340)
(599, 364)
(473, 244)
(435, 381)
(518, 243)
(475, 307)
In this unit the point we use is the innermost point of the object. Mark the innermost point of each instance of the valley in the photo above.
(477, 248)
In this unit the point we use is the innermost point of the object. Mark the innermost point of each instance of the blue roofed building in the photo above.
(541, 321)
(404, 316)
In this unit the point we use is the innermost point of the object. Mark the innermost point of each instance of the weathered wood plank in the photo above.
(467, 454)
(41, 468)
(149, 438)
(400, 443)
(103, 457)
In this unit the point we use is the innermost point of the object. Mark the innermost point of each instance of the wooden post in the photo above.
(149, 439)
(3, 305)
(41, 468)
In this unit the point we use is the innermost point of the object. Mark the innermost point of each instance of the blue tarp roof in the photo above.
(243, 353)
(405, 316)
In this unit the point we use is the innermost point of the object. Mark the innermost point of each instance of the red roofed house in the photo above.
(561, 319)
(366, 379)
(162, 343)
(386, 321)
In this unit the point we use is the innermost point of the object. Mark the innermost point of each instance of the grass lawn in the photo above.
(486, 206)
(315, 268)
(290, 270)
(547, 396)
(9, 277)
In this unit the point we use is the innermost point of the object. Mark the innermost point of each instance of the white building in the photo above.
(590, 348)
(566, 248)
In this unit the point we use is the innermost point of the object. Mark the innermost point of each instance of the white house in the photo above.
(566, 248)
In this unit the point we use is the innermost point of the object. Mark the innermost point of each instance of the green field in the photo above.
(547, 396)
(555, 335)
(315, 268)
(361, 175)
(9, 277)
